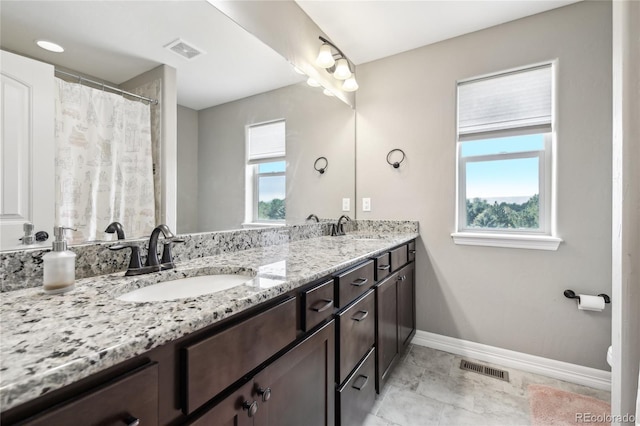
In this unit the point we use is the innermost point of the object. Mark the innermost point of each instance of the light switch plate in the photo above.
(346, 204)
(366, 204)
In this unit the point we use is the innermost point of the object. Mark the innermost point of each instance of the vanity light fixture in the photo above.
(335, 62)
(327, 92)
(50, 46)
(312, 82)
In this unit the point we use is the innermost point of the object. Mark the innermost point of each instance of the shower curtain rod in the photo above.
(104, 86)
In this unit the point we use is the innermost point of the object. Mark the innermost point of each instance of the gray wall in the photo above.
(187, 209)
(508, 298)
(316, 125)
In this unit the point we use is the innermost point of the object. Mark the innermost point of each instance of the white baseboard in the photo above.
(573, 373)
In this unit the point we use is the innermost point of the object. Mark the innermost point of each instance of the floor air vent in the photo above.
(485, 370)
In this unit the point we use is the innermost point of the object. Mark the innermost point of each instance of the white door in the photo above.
(26, 147)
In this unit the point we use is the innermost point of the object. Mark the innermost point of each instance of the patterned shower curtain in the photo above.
(104, 167)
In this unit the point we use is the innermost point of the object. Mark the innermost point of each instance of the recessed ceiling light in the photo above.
(50, 46)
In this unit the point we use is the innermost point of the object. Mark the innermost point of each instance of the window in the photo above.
(266, 172)
(505, 140)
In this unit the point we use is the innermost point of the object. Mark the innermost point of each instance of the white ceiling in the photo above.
(369, 30)
(117, 40)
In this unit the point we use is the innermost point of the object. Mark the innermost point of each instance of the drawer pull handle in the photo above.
(360, 282)
(402, 277)
(252, 408)
(364, 383)
(384, 267)
(265, 393)
(322, 305)
(363, 315)
(132, 421)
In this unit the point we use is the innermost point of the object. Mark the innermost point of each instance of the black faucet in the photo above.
(153, 264)
(338, 228)
(313, 216)
(117, 228)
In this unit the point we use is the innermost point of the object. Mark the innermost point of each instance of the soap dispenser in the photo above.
(59, 265)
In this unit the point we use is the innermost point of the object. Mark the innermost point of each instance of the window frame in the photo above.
(252, 176)
(542, 238)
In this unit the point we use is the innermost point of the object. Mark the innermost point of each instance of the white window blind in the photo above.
(266, 142)
(504, 103)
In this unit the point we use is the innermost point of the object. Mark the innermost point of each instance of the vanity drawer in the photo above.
(353, 283)
(356, 331)
(382, 266)
(121, 401)
(398, 257)
(318, 304)
(412, 251)
(357, 396)
(213, 364)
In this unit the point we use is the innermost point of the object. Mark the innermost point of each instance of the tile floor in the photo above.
(428, 387)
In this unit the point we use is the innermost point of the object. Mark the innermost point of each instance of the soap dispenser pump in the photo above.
(59, 265)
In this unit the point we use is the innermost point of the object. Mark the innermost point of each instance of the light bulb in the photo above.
(325, 57)
(342, 71)
(350, 84)
(327, 92)
(313, 83)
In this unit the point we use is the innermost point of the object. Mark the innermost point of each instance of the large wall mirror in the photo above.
(234, 88)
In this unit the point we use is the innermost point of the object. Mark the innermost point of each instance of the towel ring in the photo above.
(395, 164)
(322, 169)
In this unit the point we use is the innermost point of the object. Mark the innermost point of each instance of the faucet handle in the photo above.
(134, 261)
(167, 257)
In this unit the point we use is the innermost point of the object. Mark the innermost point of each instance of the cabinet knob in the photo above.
(132, 421)
(252, 408)
(402, 277)
(265, 393)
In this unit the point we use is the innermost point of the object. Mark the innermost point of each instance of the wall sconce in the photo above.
(337, 64)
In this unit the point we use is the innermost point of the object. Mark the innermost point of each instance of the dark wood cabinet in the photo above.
(297, 389)
(406, 306)
(237, 409)
(353, 283)
(214, 363)
(128, 400)
(358, 394)
(356, 330)
(387, 328)
(318, 304)
(396, 315)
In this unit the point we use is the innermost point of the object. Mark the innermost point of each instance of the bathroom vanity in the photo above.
(307, 340)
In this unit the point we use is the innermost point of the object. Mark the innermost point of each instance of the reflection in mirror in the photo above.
(234, 83)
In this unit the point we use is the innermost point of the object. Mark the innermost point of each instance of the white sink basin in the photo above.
(185, 287)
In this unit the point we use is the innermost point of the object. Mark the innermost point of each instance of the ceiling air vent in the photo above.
(184, 49)
(484, 370)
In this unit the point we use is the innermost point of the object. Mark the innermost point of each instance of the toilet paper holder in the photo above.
(570, 294)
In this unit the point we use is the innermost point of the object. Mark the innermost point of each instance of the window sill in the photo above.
(533, 242)
(254, 225)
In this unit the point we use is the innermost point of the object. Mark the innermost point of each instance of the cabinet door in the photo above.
(237, 409)
(297, 389)
(387, 327)
(406, 306)
(131, 399)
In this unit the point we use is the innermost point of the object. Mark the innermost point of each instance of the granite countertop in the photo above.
(49, 341)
